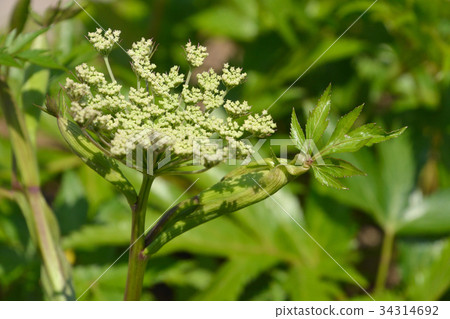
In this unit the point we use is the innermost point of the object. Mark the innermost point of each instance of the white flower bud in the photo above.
(232, 76)
(236, 108)
(104, 43)
(260, 126)
(195, 55)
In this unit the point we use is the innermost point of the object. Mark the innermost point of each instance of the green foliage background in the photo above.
(395, 59)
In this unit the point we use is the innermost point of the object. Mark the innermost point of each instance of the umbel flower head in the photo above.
(103, 42)
(164, 115)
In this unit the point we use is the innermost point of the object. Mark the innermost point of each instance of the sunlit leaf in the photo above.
(297, 134)
(325, 178)
(339, 168)
(317, 120)
(386, 136)
(365, 135)
(375, 133)
(344, 124)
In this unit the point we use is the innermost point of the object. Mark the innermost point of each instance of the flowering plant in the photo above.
(165, 125)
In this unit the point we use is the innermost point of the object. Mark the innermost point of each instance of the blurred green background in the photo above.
(395, 59)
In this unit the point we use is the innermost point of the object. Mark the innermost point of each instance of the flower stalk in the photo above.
(108, 66)
(137, 261)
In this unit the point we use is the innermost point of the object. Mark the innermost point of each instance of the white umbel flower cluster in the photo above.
(161, 115)
(103, 42)
(236, 108)
(260, 125)
(195, 55)
(232, 76)
(141, 53)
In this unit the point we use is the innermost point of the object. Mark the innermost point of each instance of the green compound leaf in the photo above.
(297, 134)
(244, 186)
(317, 120)
(95, 159)
(342, 140)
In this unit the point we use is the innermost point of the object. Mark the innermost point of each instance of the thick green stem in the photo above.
(385, 260)
(137, 260)
(109, 69)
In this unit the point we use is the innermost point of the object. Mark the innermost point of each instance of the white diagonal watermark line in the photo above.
(320, 56)
(315, 241)
(129, 247)
(92, 18)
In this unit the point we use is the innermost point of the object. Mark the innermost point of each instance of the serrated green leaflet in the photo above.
(95, 159)
(365, 135)
(325, 178)
(346, 145)
(297, 134)
(341, 140)
(339, 168)
(317, 120)
(345, 124)
(383, 136)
